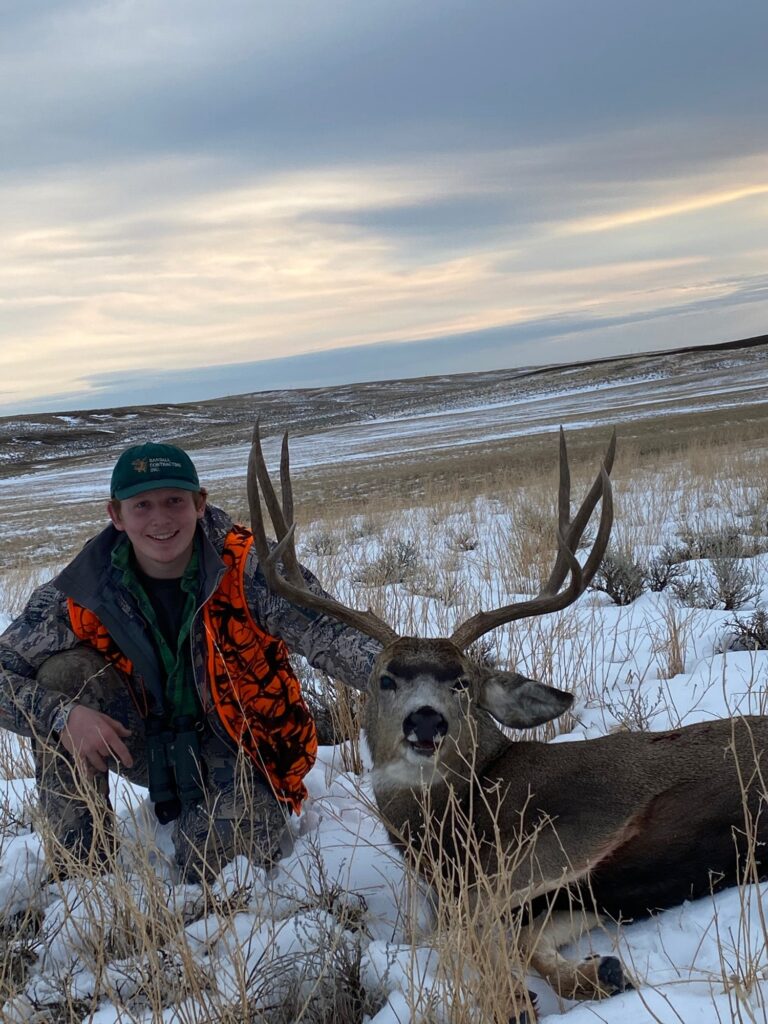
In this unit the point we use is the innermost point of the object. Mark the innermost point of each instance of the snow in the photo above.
(702, 961)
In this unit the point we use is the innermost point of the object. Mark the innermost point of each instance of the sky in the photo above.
(208, 198)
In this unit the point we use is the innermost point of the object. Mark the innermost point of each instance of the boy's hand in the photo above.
(92, 737)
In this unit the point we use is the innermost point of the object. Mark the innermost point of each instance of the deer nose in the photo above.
(425, 726)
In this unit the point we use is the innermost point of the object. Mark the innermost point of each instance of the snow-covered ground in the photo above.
(705, 961)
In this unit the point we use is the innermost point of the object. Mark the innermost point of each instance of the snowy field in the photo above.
(335, 902)
(45, 507)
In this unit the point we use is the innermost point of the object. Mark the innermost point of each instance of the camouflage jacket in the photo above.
(44, 628)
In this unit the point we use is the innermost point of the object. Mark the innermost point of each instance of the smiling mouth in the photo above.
(163, 536)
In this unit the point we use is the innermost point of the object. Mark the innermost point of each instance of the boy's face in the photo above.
(160, 525)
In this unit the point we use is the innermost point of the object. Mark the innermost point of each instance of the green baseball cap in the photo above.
(145, 467)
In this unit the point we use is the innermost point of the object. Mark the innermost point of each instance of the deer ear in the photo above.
(521, 703)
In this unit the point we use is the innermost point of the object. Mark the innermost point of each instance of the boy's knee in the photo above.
(225, 825)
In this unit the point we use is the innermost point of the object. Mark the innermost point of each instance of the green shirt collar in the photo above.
(124, 560)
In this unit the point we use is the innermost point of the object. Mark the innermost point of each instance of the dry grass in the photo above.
(223, 950)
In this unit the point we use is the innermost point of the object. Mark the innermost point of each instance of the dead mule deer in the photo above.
(621, 825)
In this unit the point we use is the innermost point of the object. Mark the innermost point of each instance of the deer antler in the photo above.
(551, 598)
(293, 586)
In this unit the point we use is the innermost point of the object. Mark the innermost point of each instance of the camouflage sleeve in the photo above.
(341, 651)
(41, 630)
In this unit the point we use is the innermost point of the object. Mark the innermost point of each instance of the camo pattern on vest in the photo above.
(254, 689)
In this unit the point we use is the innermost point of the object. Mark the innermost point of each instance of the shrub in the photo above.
(693, 591)
(734, 584)
(714, 543)
(397, 563)
(620, 577)
(634, 708)
(748, 634)
(322, 542)
(725, 541)
(441, 585)
(663, 569)
(730, 586)
(463, 538)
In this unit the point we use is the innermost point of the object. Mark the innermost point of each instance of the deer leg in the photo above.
(596, 977)
(497, 953)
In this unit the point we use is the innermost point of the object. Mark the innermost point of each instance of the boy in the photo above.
(160, 652)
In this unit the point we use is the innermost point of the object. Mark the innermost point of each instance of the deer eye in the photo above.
(387, 683)
(462, 683)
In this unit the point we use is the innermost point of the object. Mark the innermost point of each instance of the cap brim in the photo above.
(155, 485)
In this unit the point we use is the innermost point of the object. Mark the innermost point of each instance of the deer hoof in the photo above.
(526, 1016)
(597, 977)
(611, 976)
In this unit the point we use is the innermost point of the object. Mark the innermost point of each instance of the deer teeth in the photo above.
(423, 748)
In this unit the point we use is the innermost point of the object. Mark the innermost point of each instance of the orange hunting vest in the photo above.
(253, 688)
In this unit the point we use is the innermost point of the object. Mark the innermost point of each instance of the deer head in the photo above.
(424, 693)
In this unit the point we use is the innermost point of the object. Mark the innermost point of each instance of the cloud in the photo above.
(100, 275)
(279, 85)
(535, 342)
(189, 184)
(691, 205)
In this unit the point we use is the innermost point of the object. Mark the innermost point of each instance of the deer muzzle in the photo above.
(423, 729)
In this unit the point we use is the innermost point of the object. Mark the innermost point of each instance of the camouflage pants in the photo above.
(238, 814)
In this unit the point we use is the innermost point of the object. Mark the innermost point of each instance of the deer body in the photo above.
(623, 825)
(632, 822)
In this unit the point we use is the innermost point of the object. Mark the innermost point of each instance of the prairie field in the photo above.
(673, 631)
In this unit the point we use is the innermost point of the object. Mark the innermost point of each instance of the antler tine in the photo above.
(285, 480)
(281, 516)
(258, 477)
(570, 533)
(254, 504)
(294, 588)
(551, 598)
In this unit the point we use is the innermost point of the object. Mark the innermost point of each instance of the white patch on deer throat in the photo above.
(406, 772)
